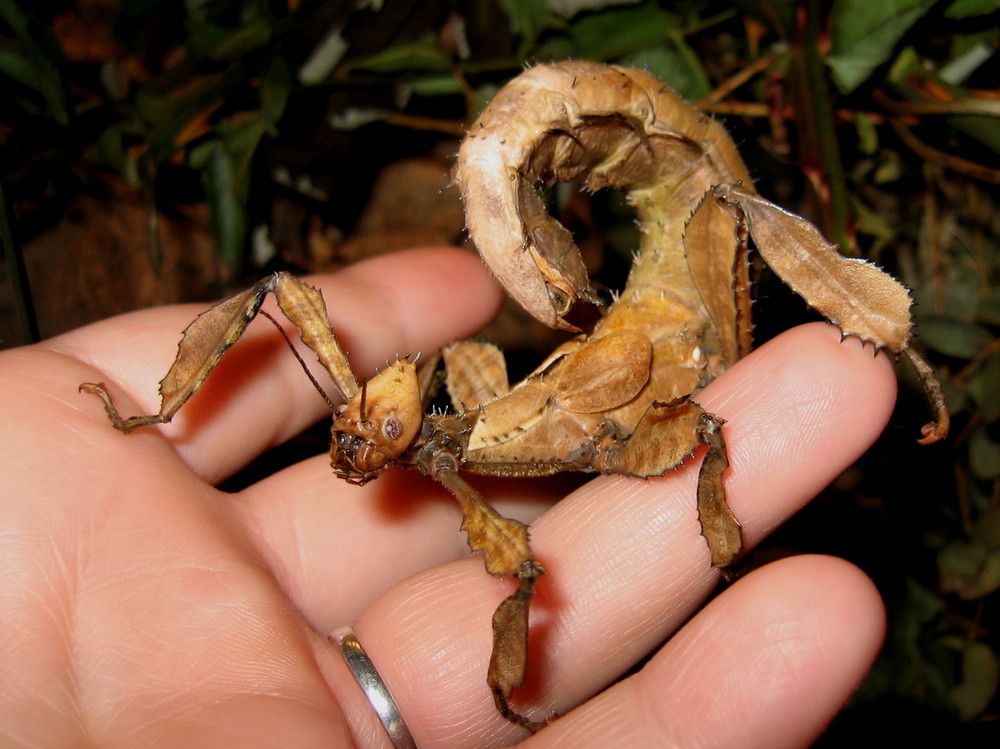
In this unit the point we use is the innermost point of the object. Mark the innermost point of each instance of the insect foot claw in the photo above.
(937, 430)
(122, 425)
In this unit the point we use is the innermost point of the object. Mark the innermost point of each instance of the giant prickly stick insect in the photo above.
(681, 320)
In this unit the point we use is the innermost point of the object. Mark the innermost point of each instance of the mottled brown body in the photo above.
(621, 399)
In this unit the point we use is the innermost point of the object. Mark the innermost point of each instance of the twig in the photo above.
(733, 83)
(416, 122)
(738, 108)
(955, 163)
(972, 106)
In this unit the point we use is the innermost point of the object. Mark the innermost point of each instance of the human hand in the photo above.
(142, 607)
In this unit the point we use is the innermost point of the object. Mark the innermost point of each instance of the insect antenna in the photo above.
(305, 367)
(364, 400)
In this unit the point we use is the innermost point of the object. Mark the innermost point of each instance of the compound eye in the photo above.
(392, 428)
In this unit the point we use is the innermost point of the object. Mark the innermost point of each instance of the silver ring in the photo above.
(374, 688)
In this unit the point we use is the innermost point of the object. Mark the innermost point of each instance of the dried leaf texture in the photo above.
(476, 373)
(613, 126)
(850, 292)
(688, 291)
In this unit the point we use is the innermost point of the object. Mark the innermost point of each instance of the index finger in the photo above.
(258, 397)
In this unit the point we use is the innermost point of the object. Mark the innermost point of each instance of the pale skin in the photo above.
(143, 607)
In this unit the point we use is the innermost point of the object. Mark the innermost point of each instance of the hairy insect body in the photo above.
(621, 399)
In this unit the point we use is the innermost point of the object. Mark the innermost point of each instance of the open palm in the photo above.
(143, 607)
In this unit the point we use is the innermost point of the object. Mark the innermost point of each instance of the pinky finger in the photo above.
(768, 663)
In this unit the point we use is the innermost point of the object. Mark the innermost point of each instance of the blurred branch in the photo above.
(955, 163)
(974, 106)
(733, 83)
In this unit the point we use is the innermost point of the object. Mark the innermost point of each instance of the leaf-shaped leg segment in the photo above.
(667, 434)
(721, 274)
(304, 306)
(509, 661)
(663, 438)
(209, 337)
(202, 346)
(719, 525)
(476, 374)
(502, 541)
(504, 544)
(852, 293)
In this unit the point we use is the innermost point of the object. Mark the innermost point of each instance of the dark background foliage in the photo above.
(163, 150)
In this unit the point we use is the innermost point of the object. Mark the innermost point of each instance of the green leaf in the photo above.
(984, 455)
(527, 17)
(222, 43)
(777, 14)
(873, 224)
(961, 559)
(969, 569)
(864, 33)
(33, 60)
(969, 8)
(569, 8)
(422, 55)
(200, 154)
(241, 145)
(621, 31)
(445, 84)
(111, 147)
(983, 386)
(980, 679)
(275, 88)
(15, 19)
(963, 288)
(988, 309)
(676, 63)
(18, 68)
(952, 337)
(906, 75)
(226, 211)
(890, 167)
(867, 133)
(153, 108)
(167, 115)
(352, 118)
